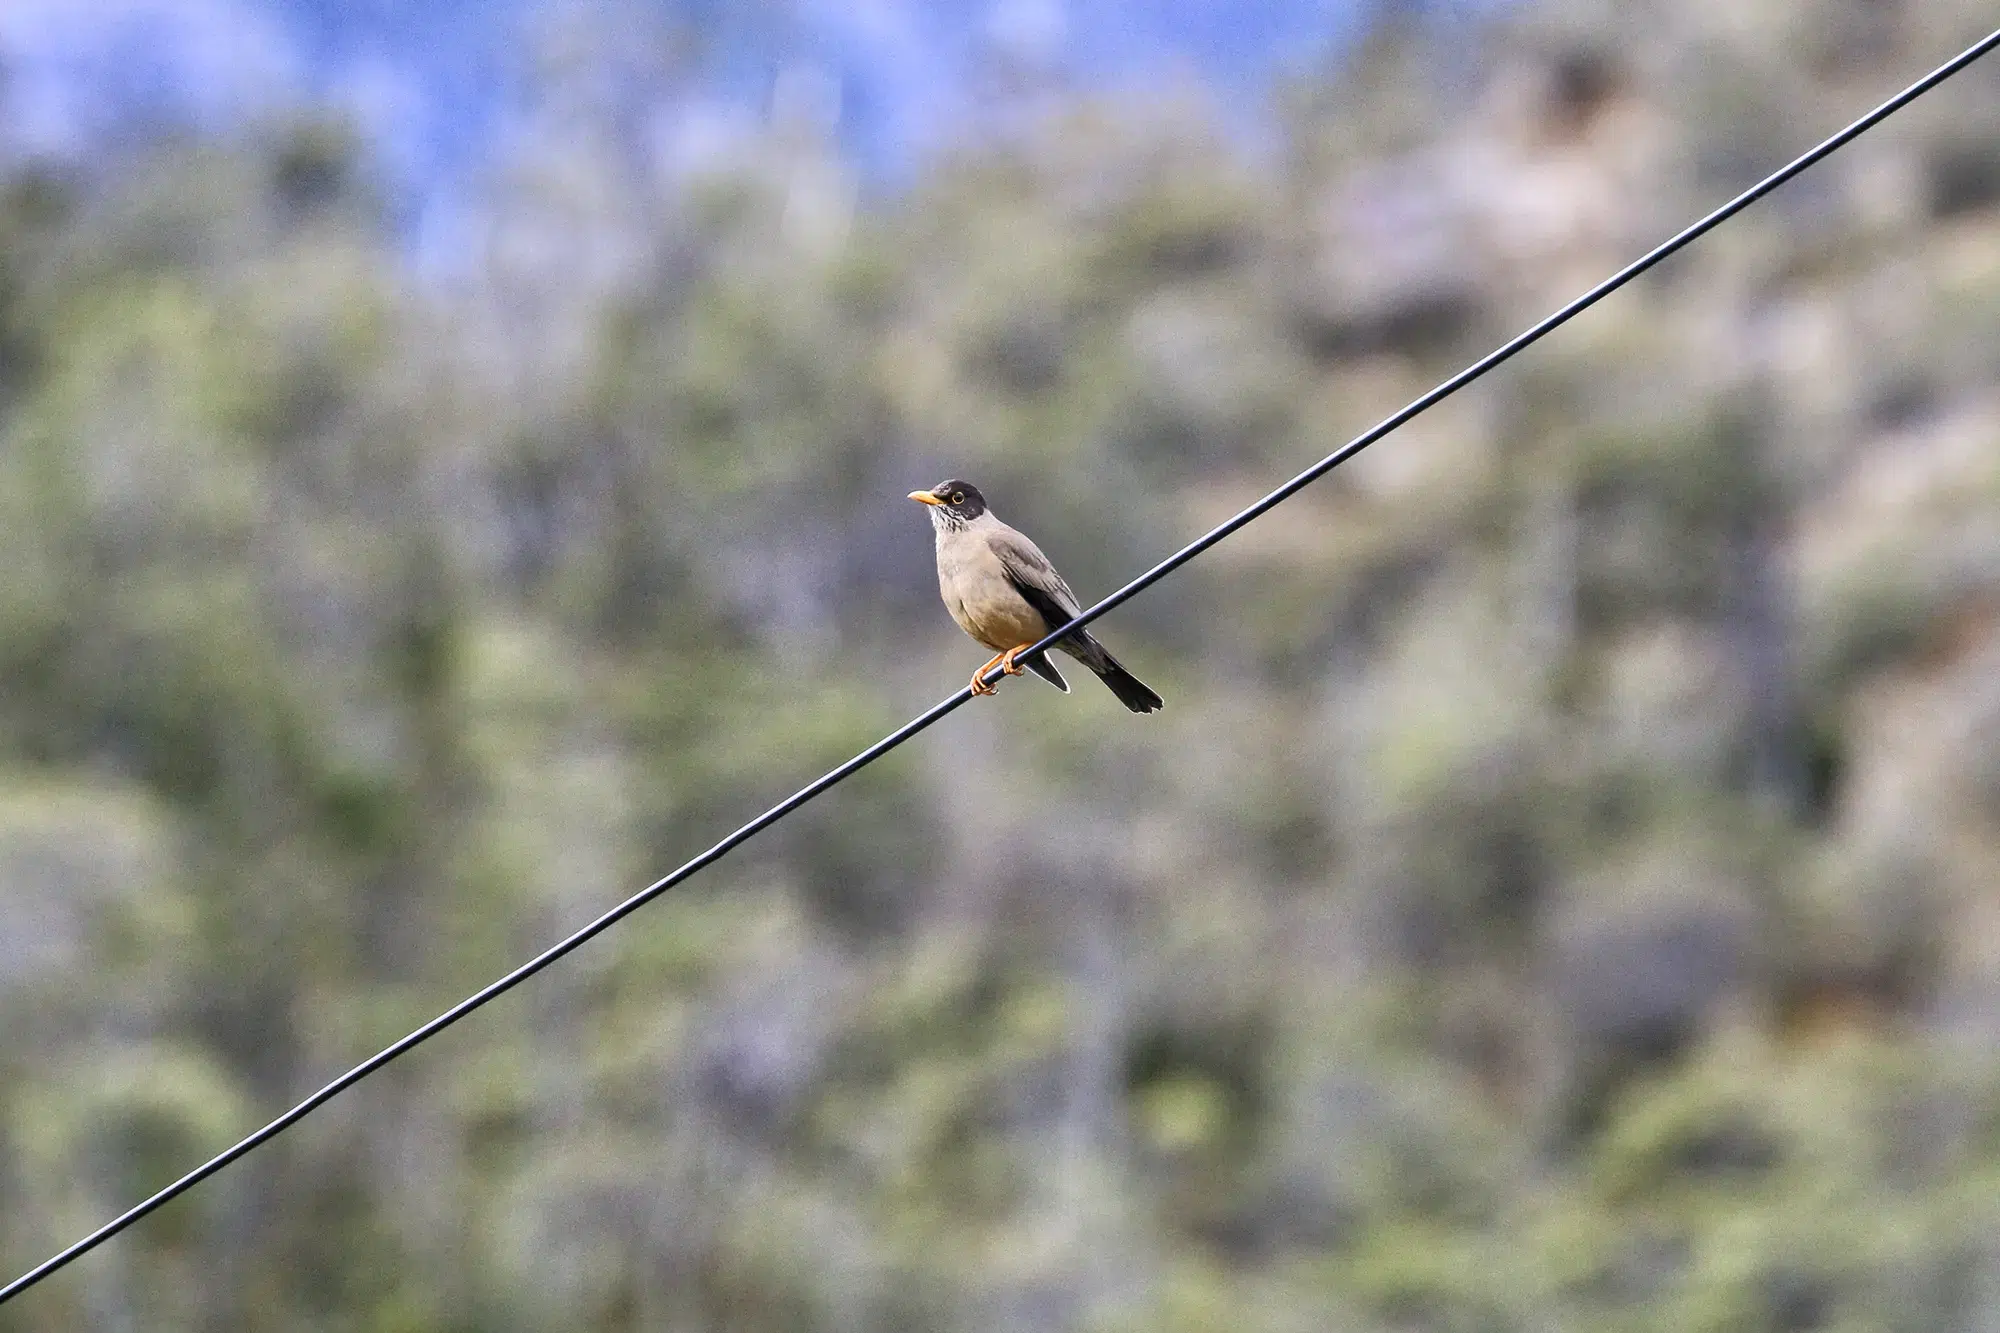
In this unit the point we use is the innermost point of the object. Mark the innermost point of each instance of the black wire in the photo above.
(915, 725)
(1494, 358)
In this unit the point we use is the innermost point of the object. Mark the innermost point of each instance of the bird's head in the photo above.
(952, 503)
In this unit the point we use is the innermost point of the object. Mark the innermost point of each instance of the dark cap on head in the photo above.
(954, 499)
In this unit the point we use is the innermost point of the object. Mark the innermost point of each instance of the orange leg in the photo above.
(981, 687)
(1006, 659)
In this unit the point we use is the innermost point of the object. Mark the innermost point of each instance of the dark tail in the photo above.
(1131, 691)
(1046, 669)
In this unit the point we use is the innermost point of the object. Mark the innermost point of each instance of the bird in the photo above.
(1003, 591)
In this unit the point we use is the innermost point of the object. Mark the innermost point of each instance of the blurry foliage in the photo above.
(1560, 894)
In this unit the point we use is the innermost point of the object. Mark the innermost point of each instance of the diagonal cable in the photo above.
(938, 711)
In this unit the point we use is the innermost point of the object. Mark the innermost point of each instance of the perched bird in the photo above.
(1003, 591)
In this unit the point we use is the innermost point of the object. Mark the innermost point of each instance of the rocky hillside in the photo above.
(1562, 892)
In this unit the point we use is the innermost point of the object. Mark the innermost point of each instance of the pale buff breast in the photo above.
(979, 595)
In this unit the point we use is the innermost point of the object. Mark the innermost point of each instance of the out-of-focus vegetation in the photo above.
(1562, 893)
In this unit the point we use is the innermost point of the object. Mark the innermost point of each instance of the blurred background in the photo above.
(452, 462)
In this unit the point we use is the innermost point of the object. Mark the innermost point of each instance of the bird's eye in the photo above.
(958, 497)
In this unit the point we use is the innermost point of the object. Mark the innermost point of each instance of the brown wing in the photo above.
(1041, 587)
(1034, 577)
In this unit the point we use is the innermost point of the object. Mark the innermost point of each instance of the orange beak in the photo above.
(925, 498)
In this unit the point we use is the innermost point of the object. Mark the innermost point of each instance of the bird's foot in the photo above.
(979, 686)
(1006, 660)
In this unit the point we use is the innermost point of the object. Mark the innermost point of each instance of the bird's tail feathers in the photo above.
(1046, 669)
(1134, 693)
